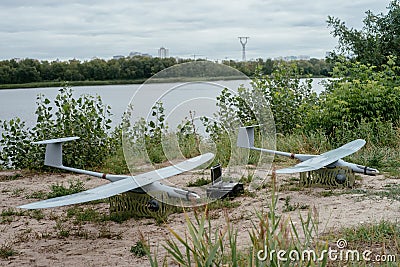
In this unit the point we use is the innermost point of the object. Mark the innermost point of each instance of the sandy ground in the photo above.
(39, 242)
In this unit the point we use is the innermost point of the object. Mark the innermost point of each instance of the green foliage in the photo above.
(139, 249)
(37, 73)
(201, 247)
(86, 117)
(188, 138)
(12, 212)
(362, 102)
(385, 233)
(378, 38)
(154, 131)
(58, 190)
(145, 137)
(199, 182)
(30, 70)
(289, 97)
(84, 215)
(206, 244)
(6, 251)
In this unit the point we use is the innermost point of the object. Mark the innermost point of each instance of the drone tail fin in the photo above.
(53, 155)
(246, 137)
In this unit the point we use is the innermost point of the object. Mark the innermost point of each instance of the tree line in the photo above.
(130, 68)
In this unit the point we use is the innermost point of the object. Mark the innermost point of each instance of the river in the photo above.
(178, 99)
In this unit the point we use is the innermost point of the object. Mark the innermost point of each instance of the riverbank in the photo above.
(125, 82)
(71, 83)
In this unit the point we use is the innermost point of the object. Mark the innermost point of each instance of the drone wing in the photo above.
(326, 158)
(121, 186)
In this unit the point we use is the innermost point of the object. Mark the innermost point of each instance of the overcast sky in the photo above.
(49, 29)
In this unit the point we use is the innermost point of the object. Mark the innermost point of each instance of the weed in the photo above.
(115, 163)
(84, 215)
(248, 193)
(105, 232)
(12, 212)
(6, 251)
(223, 203)
(4, 178)
(390, 191)
(36, 214)
(204, 245)
(327, 193)
(288, 207)
(139, 249)
(37, 195)
(384, 234)
(17, 192)
(63, 231)
(246, 179)
(199, 182)
(58, 190)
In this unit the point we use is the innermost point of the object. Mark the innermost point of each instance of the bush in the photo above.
(289, 97)
(360, 98)
(86, 117)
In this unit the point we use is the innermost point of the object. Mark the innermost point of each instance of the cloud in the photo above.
(47, 29)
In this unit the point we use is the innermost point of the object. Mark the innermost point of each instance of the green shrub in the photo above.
(6, 251)
(288, 97)
(59, 190)
(139, 249)
(362, 102)
(86, 117)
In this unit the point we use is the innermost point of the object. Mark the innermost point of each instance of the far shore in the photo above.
(118, 82)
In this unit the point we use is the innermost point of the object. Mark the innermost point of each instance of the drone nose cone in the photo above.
(371, 171)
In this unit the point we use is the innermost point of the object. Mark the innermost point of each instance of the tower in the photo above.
(163, 52)
(243, 41)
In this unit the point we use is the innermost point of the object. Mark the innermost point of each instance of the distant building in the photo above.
(303, 57)
(134, 54)
(118, 57)
(291, 58)
(163, 52)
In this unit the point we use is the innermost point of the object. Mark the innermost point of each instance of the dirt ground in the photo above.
(41, 240)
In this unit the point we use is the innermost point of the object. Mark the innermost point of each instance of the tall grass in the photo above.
(207, 243)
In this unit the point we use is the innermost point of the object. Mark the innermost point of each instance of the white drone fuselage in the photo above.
(330, 159)
(148, 182)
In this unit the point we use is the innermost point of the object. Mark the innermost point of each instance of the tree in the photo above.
(378, 39)
(288, 96)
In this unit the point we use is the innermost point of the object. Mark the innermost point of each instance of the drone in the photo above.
(330, 159)
(148, 182)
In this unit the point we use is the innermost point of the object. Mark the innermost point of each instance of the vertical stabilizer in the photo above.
(246, 137)
(53, 155)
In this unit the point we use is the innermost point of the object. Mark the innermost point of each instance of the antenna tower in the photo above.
(243, 41)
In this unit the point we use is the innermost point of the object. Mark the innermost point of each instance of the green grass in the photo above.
(139, 249)
(115, 164)
(58, 190)
(6, 251)
(85, 215)
(4, 178)
(199, 182)
(12, 212)
(382, 238)
(208, 244)
(292, 207)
